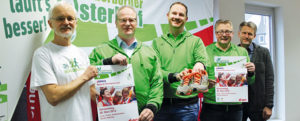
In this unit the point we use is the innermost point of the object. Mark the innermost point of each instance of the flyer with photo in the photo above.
(117, 101)
(231, 79)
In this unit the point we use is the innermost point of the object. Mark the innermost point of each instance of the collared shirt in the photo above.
(127, 49)
(250, 50)
(176, 39)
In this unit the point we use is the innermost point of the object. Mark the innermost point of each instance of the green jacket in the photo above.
(175, 55)
(147, 75)
(212, 50)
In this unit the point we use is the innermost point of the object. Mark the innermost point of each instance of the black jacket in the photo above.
(261, 93)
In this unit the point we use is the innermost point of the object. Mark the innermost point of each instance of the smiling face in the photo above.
(177, 16)
(126, 22)
(106, 95)
(63, 20)
(224, 34)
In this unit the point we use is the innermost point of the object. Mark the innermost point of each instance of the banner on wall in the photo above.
(23, 28)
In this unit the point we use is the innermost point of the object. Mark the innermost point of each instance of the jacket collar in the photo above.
(115, 45)
(184, 35)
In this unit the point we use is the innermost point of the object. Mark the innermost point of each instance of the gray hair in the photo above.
(222, 21)
(121, 8)
(249, 24)
(61, 3)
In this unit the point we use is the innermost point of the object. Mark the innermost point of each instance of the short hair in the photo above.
(249, 24)
(102, 92)
(121, 8)
(61, 3)
(222, 21)
(180, 3)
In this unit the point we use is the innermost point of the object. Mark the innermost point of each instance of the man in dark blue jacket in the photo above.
(261, 93)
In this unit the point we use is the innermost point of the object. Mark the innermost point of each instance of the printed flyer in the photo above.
(231, 81)
(117, 101)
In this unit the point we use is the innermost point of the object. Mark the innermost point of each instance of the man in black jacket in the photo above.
(261, 93)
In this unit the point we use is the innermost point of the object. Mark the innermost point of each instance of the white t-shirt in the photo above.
(54, 64)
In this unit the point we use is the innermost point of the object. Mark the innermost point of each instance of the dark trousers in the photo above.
(212, 112)
(252, 115)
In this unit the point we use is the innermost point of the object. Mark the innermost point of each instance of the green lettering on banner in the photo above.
(120, 2)
(114, 1)
(19, 6)
(140, 15)
(40, 7)
(136, 3)
(48, 5)
(101, 14)
(7, 29)
(23, 28)
(141, 4)
(93, 9)
(12, 6)
(76, 5)
(84, 9)
(35, 26)
(30, 27)
(27, 6)
(110, 14)
(15, 28)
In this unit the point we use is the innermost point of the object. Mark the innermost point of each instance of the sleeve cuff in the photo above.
(152, 107)
(172, 77)
(269, 106)
(250, 74)
(107, 61)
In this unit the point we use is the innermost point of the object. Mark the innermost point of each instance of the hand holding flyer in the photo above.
(117, 100)
(231, 82)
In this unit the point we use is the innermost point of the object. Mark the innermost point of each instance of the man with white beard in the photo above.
(61, 72)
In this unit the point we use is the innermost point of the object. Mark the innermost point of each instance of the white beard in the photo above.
(64, 35)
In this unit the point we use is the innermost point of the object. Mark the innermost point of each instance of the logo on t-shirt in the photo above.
(72, 66)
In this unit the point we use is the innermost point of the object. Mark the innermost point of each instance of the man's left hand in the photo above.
(146, 115)
(267, 112)
(198, 67)
(250, 66)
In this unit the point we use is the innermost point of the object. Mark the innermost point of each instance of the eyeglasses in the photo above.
(222, 32)
(62, 18)
(130, 20)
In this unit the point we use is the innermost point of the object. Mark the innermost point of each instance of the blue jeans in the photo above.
(210, 114)
(178, 113)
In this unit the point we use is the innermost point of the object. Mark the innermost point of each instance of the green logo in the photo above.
(72, 66)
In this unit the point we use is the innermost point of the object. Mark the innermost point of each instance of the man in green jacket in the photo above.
(221, 111)
(178, 50)
(125, 49)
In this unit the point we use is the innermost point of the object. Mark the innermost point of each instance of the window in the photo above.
(263, 36)
(263, 17)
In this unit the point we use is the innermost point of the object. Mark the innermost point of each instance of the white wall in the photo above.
(287, 64)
